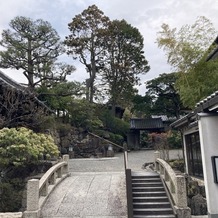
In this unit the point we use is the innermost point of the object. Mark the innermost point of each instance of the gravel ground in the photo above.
(136, 160)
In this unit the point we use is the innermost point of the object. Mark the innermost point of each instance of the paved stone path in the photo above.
(96, 187)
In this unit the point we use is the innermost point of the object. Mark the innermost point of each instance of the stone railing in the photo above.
(176, 186)
(39, 190)
(11, 215)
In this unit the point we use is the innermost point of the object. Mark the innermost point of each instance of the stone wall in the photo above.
(83, 145)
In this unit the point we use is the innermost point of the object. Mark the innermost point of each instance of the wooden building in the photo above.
(137, 125)
(18, 105)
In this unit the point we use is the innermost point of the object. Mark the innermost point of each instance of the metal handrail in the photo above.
(106, 140)
(128, 174)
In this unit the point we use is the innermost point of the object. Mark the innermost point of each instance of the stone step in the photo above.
(155, 216)
(148, 189)
(145, 174)
(149, 194)
(147, 180)
(151, 205)
(145, 184)
(150, 199)
(152, 211)
(145, 177)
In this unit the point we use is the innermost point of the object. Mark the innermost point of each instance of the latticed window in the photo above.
(194, 154)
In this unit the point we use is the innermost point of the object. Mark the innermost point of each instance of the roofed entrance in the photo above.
(137, 125)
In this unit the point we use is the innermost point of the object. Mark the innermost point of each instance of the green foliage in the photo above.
(85, 42)
(175, 139)
(186, 50)
(11, 195)
(161, 98)
(142, 106)
(124, 61)
(116, 138)
(59, 96)
(22, 146)
(178, 165)
(165, 98)
(46, 122)
(112, 50)
(198, 83)
(185, 47)
(127, 115)
(114, 124)
(31, 46)
(83, 114)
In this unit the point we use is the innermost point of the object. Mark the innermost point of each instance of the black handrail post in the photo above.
(128, 183)
(129, 193)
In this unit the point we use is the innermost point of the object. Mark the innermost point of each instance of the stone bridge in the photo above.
(94, 188)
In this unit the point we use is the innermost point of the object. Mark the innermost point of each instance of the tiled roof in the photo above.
(7, 81)
(10, 82)
(207, 105)
(149, 123)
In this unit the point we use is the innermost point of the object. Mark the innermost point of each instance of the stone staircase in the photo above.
(149, 197)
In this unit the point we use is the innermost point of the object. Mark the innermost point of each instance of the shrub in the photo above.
(20, 146)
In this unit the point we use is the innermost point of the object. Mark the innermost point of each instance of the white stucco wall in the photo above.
(208, 130)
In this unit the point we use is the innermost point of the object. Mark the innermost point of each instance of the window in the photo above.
(194, 154)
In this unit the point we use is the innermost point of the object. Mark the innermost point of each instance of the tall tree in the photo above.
(202, 81)
(60, 95)
(165, 97)
(85, 42)
(186, 50)
(32, 46)
(142, 106)
(185, 47)
(124, 61)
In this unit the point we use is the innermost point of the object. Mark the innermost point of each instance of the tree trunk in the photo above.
(30, 65)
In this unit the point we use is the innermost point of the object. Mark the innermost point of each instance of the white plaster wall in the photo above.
(185, 154)
(208, 130)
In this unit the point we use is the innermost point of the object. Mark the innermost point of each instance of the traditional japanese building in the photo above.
(18, 105)
(200, 136)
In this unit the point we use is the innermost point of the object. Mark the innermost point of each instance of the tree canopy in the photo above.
(166, 99)
(85, 42)
(124, 61)
(110, 50)
(33, 47)
(161, 98)
(186, 50)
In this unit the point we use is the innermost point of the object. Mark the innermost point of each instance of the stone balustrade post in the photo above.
(181, 196)
(60, 172)
(66, 159)
(32, 199)
(44, 190)
(53, 178)
(156, 156)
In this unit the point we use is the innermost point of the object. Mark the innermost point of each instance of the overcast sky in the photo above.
(146, 15)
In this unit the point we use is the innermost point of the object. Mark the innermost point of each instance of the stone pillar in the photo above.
(208, 130)
(32, 199)
(181, 208)
(181, 196)
(110, 151)
(66, 159)
(156, 156)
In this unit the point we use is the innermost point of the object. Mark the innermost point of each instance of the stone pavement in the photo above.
(96, 187)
